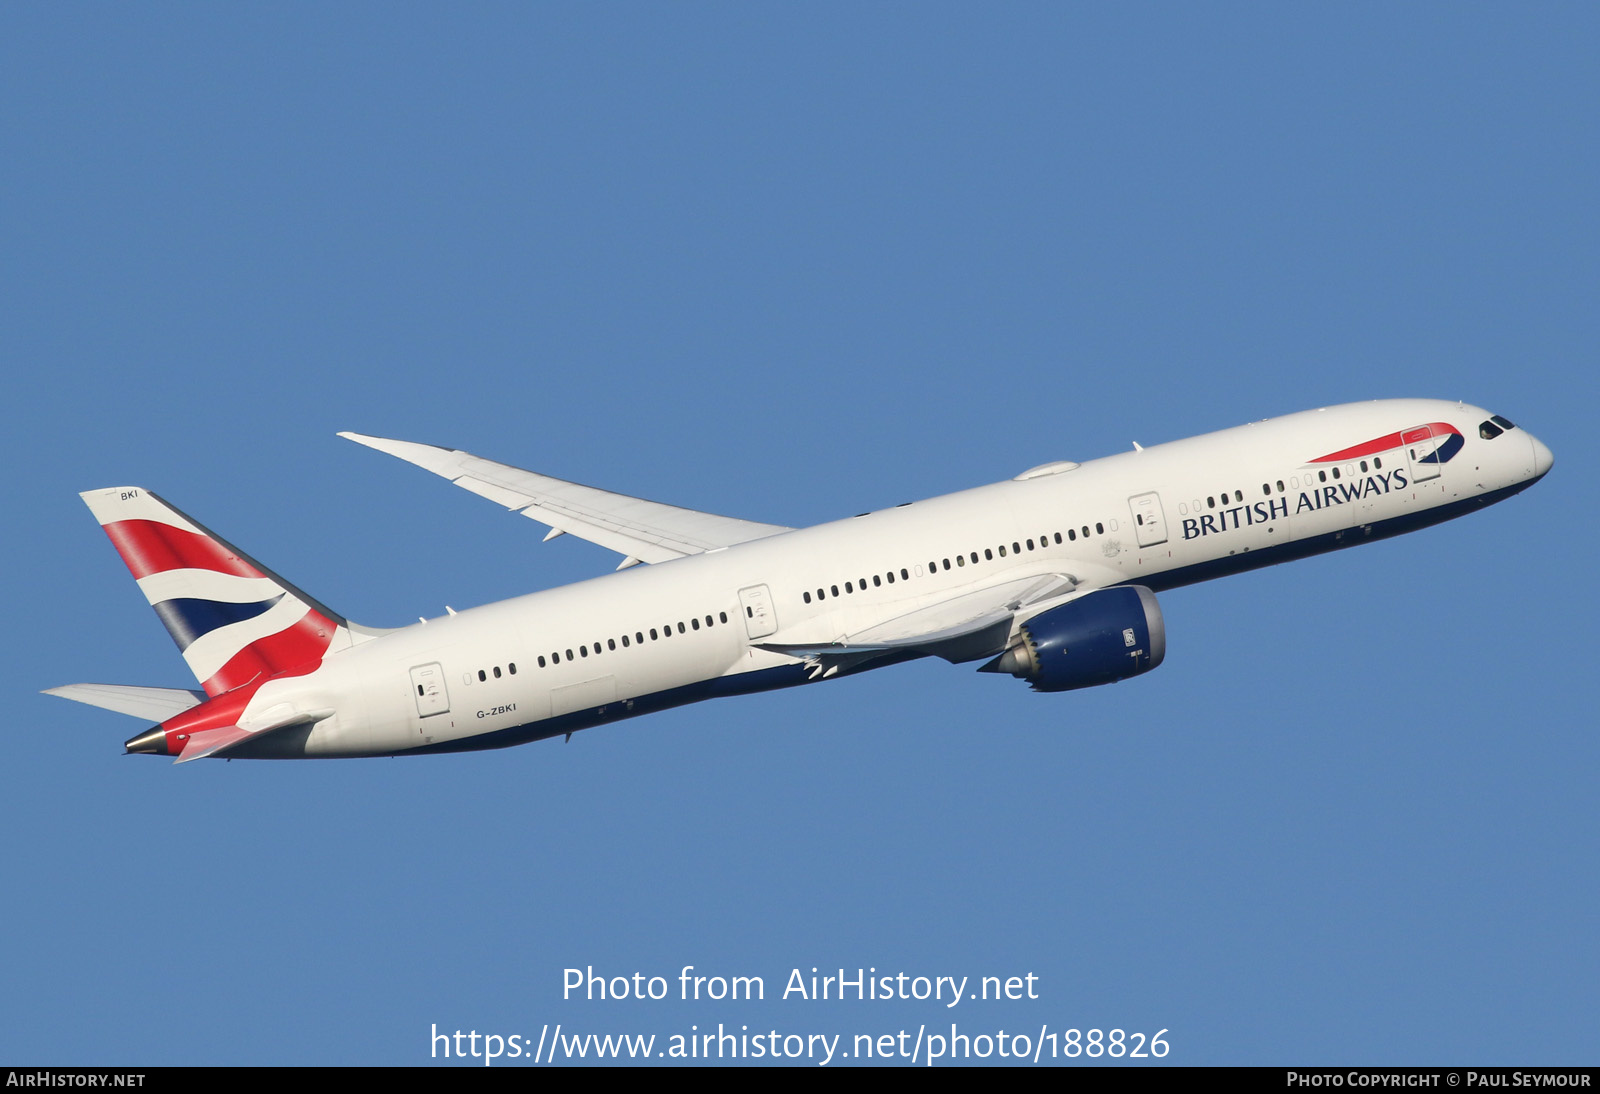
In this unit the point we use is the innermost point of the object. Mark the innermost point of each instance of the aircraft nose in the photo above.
(1543, 458)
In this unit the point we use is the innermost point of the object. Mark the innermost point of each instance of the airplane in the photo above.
(1050, 577)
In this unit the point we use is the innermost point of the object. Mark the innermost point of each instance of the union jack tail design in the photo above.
(234, 620)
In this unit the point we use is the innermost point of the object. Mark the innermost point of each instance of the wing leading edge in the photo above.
(640, 530)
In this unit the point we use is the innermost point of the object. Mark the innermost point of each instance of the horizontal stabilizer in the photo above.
(644, 531)
(210, 742)
(151, 704)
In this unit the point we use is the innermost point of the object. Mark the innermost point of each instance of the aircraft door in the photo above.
(759, 618)
(1421, 444)
(1148, 520)
(427, 688)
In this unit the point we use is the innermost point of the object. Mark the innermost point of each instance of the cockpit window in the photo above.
(1501, 422)
(1489, 431)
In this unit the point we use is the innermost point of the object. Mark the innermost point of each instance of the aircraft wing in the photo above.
(643, 531)
(963, 628)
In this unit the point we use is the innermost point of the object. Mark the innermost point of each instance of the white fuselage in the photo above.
(655, 636)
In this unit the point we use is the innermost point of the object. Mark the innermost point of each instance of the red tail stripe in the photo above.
(301, 644)
(216, 713)
(212, 714)
(150, 547)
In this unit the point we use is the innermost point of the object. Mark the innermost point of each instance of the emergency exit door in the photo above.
(427, 688)
(1149, 522)
(1422, 449)
(756, 604)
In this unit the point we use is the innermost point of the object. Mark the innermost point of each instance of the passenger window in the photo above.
(652, 634)
(556, 657)
(695, 623)
(708, 621)
(513, 668)
(497, 672)
(974, 558)
(723, 616)
(1377, 463)
(638, 637)
(807, 596)
(1211, 503)
(611, 644)
(821, 595)
(1030, 545)
(624, 641)
(1363, 467)
(482, 676)
(1071, 534)
(1322, 476)
(680, 626)
(1280, 486)
(903, 575)
(834, 589)
(961, 560)
(1238, 495)
(849, 587)
(1085, 531)
(541, 660)
(583, 651)
(877, 582)
(988, 554)
(1100, 528)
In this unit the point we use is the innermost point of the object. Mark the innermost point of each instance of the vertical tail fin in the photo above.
(233, 619)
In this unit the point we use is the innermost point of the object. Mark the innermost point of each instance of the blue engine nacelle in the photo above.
(1099, 638)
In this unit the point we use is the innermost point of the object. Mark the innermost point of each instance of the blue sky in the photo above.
(792, 263)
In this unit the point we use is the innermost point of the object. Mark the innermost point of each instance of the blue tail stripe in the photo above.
(187, 620)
